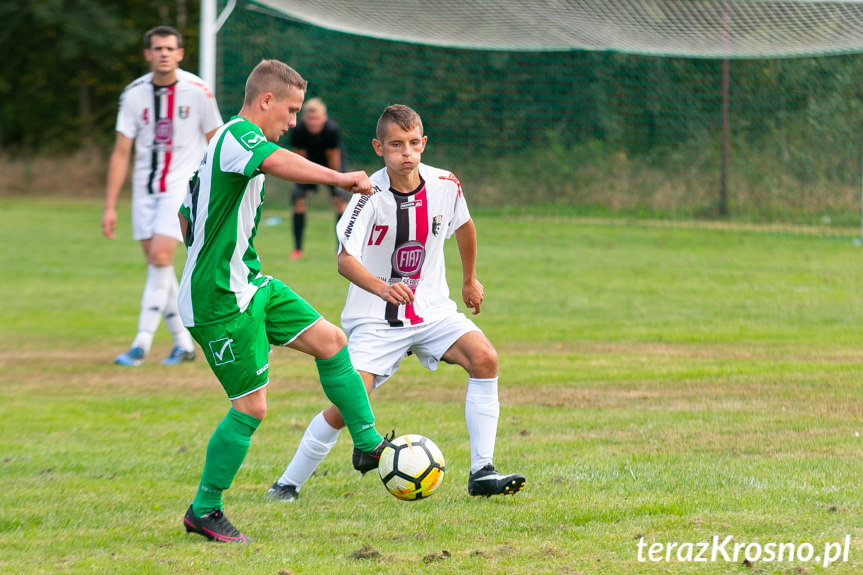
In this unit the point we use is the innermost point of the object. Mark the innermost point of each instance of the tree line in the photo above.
(67, 61)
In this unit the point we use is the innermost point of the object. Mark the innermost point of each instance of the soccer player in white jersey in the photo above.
(234, 311)
(392, 251)
(169, 115)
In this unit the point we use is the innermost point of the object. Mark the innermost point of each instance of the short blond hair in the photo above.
(404, 117)
(315, 105)
(272, 76)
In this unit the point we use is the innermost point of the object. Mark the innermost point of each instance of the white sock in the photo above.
(153, 302)
(481, 411)
(182, 337)
(318, 440)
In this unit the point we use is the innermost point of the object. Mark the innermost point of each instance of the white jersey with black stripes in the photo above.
(169, 125)
(400, 237)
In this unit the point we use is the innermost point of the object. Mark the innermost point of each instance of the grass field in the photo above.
(668, 384)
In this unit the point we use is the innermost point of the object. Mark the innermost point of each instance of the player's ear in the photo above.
(180, 54)
(266, 99)
(378, 146)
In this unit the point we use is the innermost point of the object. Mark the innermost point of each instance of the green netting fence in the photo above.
(588, 132)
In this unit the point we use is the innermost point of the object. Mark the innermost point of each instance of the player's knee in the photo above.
(257, 409)
(161, 255)
(160, 250)
(332, 342)
(484, 362)
(337, 338)
(160, 259)
(340, 340)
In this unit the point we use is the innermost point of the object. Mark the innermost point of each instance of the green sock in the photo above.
(344, 387)
(225, 453)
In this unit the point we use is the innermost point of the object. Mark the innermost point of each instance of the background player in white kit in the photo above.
(170, 116)
(392, 251)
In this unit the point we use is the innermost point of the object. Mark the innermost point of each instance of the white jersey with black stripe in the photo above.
(400, 237)
(169, 125)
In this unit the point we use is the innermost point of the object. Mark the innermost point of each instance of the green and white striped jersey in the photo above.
(223, 206)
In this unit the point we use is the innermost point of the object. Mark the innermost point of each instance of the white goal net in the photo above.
(674, 109)
(690, 28)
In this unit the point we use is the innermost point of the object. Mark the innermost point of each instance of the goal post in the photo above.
(211, 23)
(593, 107)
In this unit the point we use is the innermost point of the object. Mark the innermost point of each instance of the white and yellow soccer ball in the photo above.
(412, 468)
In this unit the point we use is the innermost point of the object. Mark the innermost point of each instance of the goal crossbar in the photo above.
(682, 28)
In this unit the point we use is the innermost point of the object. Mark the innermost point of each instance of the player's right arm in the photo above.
(118, 166)
(396, 294)
(293, 167)
(184, 226)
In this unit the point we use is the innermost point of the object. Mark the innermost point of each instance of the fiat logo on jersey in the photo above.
(164, 131)
(408, 258)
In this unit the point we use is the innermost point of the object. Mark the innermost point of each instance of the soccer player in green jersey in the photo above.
(234, 312)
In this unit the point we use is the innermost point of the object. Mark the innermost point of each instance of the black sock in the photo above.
(299, 226)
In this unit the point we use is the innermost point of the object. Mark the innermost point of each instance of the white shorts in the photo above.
(380, 350)
(156, 214)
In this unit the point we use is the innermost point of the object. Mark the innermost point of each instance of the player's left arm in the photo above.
(472, 291)
(184, 225)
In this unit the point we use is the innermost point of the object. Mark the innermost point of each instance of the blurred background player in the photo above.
(169, 115)
(316, 138)
(392, 251)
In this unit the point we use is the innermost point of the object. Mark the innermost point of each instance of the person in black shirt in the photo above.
(316, 137)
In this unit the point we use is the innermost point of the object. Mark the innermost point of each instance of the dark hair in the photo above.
(404, 117)
(162, 31)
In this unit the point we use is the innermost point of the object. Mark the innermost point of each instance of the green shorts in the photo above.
(238, 349)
